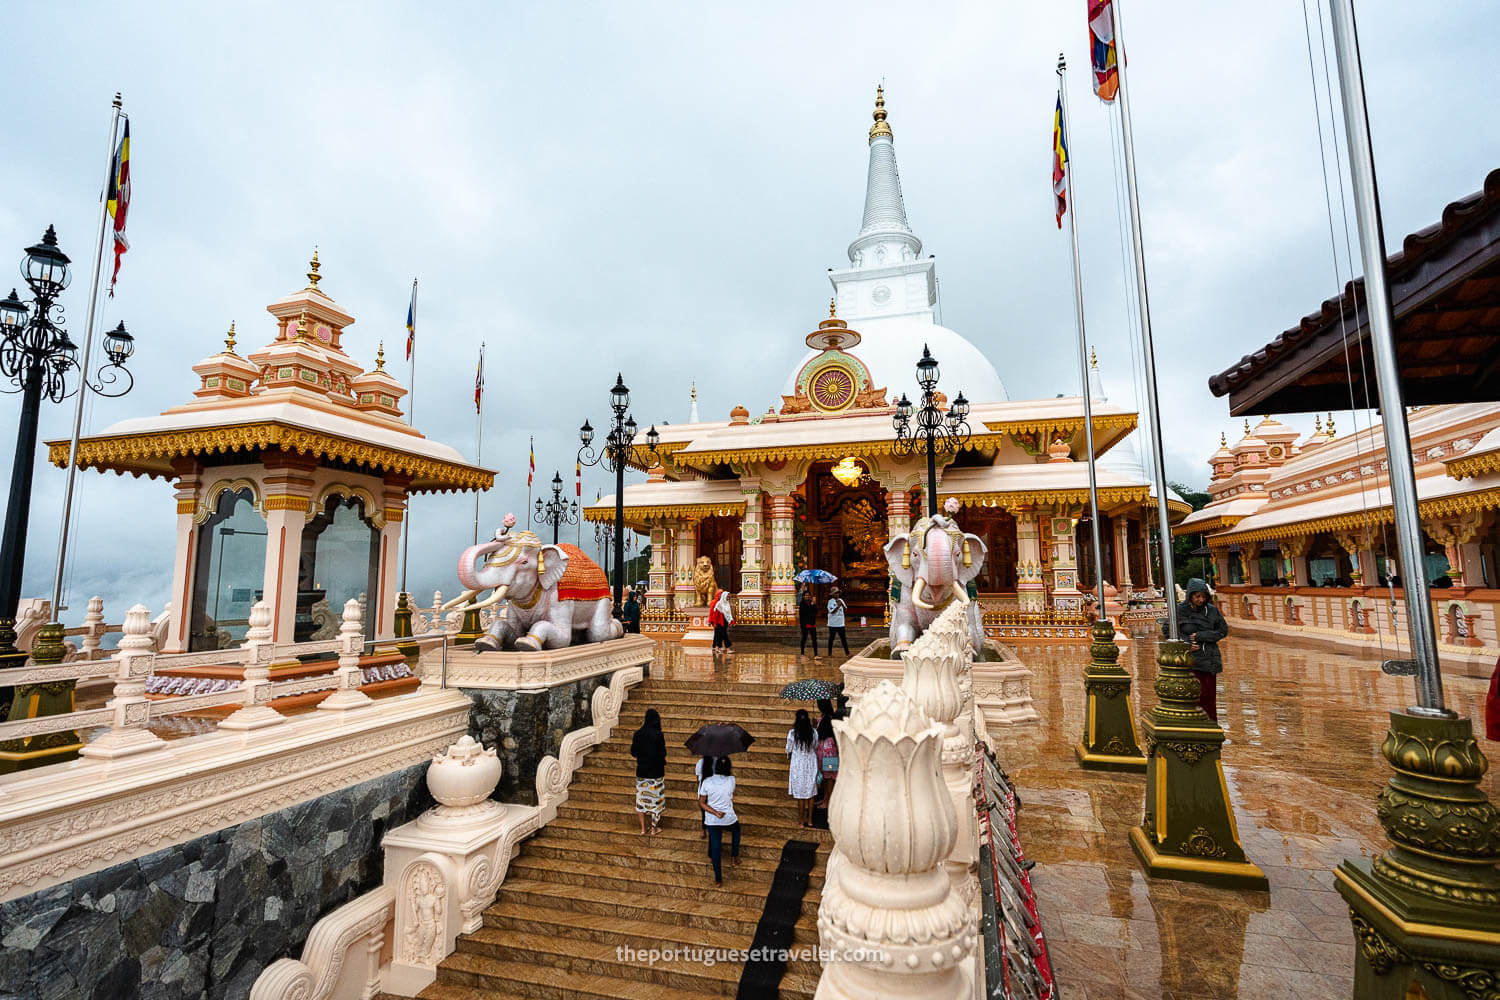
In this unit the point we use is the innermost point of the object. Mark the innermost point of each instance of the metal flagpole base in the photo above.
(408, 649)
(1427, 911)
(1188, 830)
(472, 628)
(1109, 739)
(33, 701)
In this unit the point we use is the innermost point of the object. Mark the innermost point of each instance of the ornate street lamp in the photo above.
(615, 456)
(36, 357)
(939, 432)
(556, 511)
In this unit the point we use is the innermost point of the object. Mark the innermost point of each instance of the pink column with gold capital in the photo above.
(783, 589)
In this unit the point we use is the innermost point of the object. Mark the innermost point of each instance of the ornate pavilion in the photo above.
(292, 469)
(815, 481)
(1300, 540)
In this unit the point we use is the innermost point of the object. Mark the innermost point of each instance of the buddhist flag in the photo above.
(531, 470)
(1059, 162)
(1102, 49)
(119, 200)
(411, 321)
(578, 471)
(479, 379)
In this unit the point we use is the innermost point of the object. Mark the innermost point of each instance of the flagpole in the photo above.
(1366, 197)
(1148, 353)
(530, 470)
(1071, 209)
(478, 433)
(83, 382)
(411, 409)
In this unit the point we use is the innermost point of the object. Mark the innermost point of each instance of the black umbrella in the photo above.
(1202, 550)
(719, 739)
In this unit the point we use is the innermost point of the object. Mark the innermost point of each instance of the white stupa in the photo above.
(888, 293)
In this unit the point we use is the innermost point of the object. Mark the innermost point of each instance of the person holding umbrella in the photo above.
(716, 799)
(807, 619)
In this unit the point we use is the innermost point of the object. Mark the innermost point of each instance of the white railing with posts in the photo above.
(129, 712)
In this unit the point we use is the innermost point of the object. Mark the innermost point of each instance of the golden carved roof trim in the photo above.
(1463, 503)
(1472, 466)
(1020, 498)
(136, 452)
(698, 510)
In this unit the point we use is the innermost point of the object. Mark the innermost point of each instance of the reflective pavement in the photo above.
(1303, 766)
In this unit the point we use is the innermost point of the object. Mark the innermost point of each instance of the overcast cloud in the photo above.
(659, 190)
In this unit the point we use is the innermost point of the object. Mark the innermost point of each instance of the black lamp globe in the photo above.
(619, 396)
(119, 345)
(927, 370)
(46, 267)
(586, 434)
(652, 438)
(959, 409)
(630, 429)
(903, 408)
(13, 313)
(556, 482)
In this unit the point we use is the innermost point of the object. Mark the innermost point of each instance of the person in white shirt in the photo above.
(716, 798)
(836, 609)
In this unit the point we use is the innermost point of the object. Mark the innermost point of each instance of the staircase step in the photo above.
(754, 841)
(609, 855)
(743, 886)
(610, 929)
(711, 908)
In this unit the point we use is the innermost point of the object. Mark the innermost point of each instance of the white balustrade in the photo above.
(130, 709)
(350, 676)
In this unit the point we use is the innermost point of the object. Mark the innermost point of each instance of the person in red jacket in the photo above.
(721, 616)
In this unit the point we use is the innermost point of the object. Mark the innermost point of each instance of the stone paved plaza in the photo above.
(1303, 767)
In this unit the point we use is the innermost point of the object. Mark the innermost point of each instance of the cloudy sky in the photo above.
(658, 189)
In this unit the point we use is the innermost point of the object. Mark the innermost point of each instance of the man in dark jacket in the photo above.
(1202, 626)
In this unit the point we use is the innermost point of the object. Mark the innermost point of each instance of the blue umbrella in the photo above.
(815, 576)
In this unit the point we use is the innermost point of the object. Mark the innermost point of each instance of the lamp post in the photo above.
(940, 433)
(556, 511)
(604, 531)
(615, 456)
(36, 357)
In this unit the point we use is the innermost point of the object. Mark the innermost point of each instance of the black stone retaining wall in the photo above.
(199, 921)
(524, 728)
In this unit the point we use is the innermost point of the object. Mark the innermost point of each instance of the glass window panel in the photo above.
(230, 571)
(339, 555)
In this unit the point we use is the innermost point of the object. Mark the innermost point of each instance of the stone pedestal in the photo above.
(699, 637)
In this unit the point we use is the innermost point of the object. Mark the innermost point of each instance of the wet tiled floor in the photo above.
(1303, 767)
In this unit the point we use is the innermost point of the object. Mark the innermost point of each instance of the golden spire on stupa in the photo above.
(833, 312)
(1223, 440)
(313, 277)
(1247, 427)
(880, 127)
(229, 340)
(301, 326)
(1093, 359)
(1318, 424)
(380, 358)
(1331, 431)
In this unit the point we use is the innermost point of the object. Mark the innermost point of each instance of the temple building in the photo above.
(1299, 531)
(815, 480)
(292, 469)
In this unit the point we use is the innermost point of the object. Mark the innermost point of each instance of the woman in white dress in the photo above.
(802, 770)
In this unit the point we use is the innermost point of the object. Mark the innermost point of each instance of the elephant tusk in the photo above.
(498, 595)
(916, 595)
(463, 598)
(960, 593)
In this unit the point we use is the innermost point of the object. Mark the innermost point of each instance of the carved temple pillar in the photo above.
(1066, 596)
(1251, 557)
(1457, 538)
(752, 596)
(1030, 587)
(288, 498)
(686, 548)
(783, 589)
(659, 587)
(189, 482)
(897, 513)
(1122, 557)
(388, 579)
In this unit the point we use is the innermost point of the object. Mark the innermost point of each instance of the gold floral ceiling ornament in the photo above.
(848, 471)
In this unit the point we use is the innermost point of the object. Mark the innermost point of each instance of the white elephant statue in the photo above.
(554, 595)
(934, 564)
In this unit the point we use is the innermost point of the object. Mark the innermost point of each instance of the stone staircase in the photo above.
(588, 885)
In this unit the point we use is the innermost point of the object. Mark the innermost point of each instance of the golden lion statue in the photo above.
(703, 580)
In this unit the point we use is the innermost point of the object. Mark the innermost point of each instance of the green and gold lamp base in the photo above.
(1109, 738)
(1426, 913)
(1188, 831)
(35, 701)
(472, 628)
